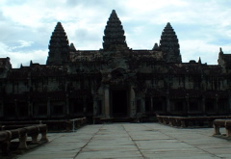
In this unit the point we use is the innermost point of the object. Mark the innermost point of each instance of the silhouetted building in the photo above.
(115, 82)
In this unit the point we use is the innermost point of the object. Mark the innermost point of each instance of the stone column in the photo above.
(151, 104)
(22, 141)
(48, 107)
(30, 103)
(95, 106)
(30, 111)
(203, 105)
(168, 103)
(187, 104)
(216, 105)
(229, 101)
(16, 108)
(1, 109)
(84, 105)
(67, 105)
(107, 101)
(142, 102)
(132, 102)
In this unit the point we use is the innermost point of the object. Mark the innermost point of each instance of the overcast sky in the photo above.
(202, 26)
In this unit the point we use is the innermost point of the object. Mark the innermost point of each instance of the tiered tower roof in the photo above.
(72, 47)
(169, 45)
(155, 47)
(114, 34)
(59, 46)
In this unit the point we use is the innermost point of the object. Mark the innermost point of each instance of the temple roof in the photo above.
(226, 58)
(5, 65)
(59, 46)
(114, 34)
(37, 70)
(4, 61)
(72, 47)
(169, 45)
(155, 47)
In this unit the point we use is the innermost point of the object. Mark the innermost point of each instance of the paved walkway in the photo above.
(133, 141)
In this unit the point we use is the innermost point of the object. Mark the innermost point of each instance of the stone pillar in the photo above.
(203, 105)
(30, 103)
(67, 105)
(84, 105)
(30, 111)
(132, 102)
(22, 141)
(229, 102)
(44, 136)
(187, 104)
(16, 108)
(95, 109)
(1, 109)
(48, 107)
(142, 103)
(107, 101)
(168, 103)
(216, 130)
(95, 106)
(151, 104)
(216, 104)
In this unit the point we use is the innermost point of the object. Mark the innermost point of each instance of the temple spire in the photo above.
(221, 51)
(114, 38)
(169, 45)
(59, 46)
(199, 60)
(155, 47)
(72, 47)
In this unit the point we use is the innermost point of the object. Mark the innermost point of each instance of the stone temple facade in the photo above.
(115, 82)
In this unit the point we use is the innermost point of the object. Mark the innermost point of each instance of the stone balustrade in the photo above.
(53, 125)
(22, 135)
(222, 123)
(189, 121)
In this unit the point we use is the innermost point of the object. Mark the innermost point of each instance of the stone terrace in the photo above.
(133, 141)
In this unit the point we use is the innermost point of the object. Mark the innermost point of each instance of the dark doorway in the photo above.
(119, 103)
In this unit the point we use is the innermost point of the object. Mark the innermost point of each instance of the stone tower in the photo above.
(155, 47)
(59, 47)
(169, 45)
(114, 38)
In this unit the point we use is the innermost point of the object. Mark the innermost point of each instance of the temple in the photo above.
(115, 82)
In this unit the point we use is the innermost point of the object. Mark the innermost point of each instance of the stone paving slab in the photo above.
(133, 141)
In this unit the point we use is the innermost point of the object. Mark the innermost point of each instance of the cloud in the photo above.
(22, 44)
(193, 49)
(23, 57)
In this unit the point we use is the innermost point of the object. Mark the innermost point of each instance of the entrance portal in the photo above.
(119, 103)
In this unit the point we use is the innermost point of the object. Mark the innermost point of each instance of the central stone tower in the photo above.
(114, 38)
(169, 45)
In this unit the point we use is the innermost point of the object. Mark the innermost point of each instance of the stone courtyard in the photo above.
(132, 141)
